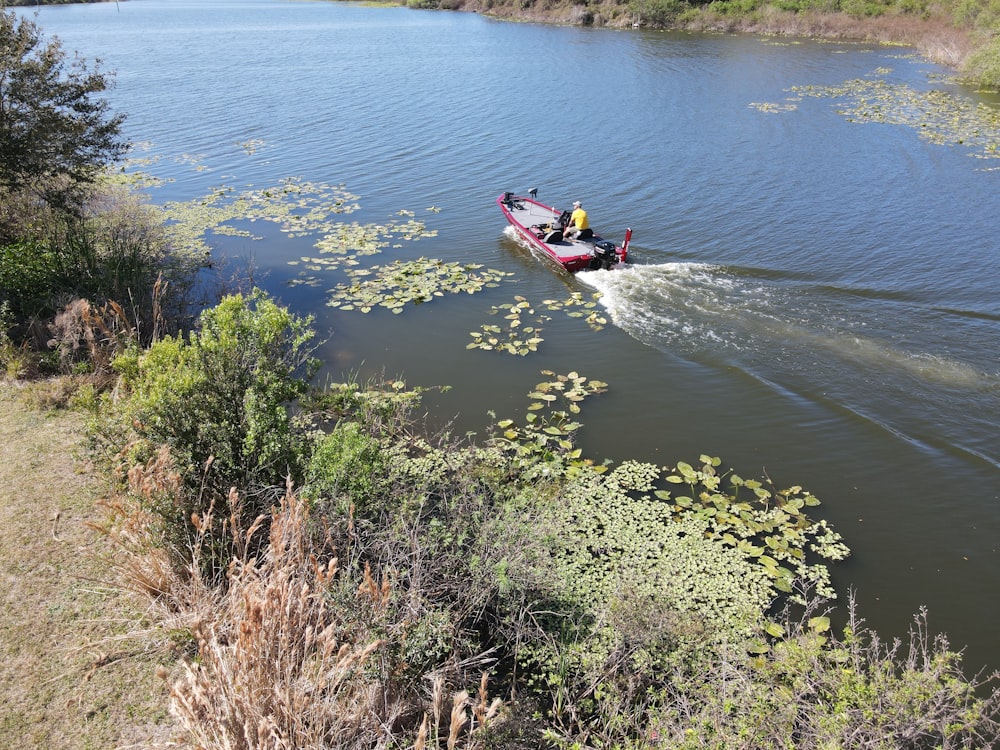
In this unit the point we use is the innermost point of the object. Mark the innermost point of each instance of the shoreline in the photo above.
(933, 37)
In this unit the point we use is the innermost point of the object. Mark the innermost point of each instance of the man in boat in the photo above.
(578, 226)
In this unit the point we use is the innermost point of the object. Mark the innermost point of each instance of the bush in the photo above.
(108, 275)
(864, 8)
(978, 14)
(220, 400)
(347, 465)
(814, 690)
(658, 13)
(984, 65)
(733, 7)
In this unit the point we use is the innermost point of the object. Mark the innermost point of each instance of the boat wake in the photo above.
(702, 309)
(873, 360)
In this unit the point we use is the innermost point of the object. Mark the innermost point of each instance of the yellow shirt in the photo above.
(579, 219)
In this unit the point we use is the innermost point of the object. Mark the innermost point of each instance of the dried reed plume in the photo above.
(278, 667)
(280, 663)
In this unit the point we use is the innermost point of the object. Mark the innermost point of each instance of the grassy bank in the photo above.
(72, 674)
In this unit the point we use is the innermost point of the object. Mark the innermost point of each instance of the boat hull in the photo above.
(541, 227)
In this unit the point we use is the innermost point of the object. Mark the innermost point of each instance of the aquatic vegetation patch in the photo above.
(515, 338)
(521, 340)
(251, 145)
(622, 544)
(589, 310)
(768, 528)
(344, 244)
(935, 115)
(764, 524)
(773, 107)
(297, 207)
(617, 546)
(193, 160)
(545, 439)
(400, 283)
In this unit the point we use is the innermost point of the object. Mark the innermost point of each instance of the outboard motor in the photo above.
(605, 255)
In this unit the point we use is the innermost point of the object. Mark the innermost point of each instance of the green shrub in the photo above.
(348, 467)
(863, 8)
(658, 13)
(815, 690)
(978, 14)
(114, 258)
(733, 7)
(220, 400)
(984, 65)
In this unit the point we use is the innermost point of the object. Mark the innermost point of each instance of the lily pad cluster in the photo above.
(588, 309)
(251, 145)
(773, 107)
(620, 543)
(616, 548)
(549, 426)
(515, 338)
(766, 525)
(400, 283)
(344, 244)
(297, 207)
(519, 339)
(936, 115)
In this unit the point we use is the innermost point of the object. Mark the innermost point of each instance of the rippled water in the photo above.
(810, 297)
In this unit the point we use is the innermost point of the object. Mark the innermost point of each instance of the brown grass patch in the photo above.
(935, 38)
(71, 675)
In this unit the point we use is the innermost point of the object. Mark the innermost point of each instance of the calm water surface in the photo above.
(811, 297)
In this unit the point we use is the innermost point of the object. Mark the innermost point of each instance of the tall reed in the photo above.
(289, 652)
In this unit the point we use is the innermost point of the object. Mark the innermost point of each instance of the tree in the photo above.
(54, 133)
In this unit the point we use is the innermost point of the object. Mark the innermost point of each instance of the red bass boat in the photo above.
(543, 227)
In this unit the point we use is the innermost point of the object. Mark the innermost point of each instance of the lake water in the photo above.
(811, 296)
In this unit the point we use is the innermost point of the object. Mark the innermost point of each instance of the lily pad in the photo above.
(412, 282)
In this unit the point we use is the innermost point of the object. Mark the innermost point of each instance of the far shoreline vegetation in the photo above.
(960, 34)
(316, 568)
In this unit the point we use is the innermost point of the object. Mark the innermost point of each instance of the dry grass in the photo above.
(935, 38)
(71, 674)
(281, 662)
